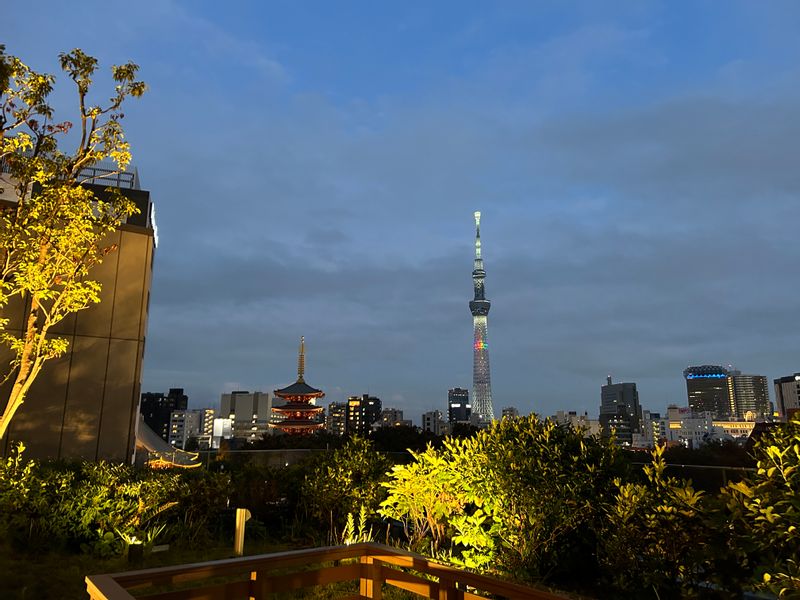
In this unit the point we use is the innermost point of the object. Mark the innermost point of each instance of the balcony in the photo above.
(374, 567)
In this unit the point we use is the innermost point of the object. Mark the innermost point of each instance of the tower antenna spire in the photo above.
(301, 359)
(477, 234)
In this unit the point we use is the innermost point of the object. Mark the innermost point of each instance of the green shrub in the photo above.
(341, 482)
(524, 498)
(655, 539)
(95, 507)
(765, 512)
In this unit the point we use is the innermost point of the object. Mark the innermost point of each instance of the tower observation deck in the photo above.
(479, 307)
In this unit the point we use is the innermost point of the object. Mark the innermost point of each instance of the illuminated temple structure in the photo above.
(298, 414)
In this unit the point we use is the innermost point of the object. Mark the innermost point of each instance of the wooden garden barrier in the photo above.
(258, 577)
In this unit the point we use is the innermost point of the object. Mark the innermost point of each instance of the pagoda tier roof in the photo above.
(298, 407)
(297, 424)
(299, 389)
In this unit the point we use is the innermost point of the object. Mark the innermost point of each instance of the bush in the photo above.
(655, 539)
(765, 512)
(524, 498)
(341, 482)
(96, 507)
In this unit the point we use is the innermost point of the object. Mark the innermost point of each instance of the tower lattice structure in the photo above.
(479, 307)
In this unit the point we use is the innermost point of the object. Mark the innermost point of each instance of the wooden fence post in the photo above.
(371, 579)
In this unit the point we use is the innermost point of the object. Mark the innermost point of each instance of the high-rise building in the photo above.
(748, 396)
(336, 421)
(687, 427)
(85, 404)
(510, 412)
(707, 390)
(391, 417)
(590, 426)
(249, 413)
(186, 424)
(479, 307)
(458, 407)
(726, 393)
(787, 394)
(362, 412)
(156, 408)
(433, 422)
(620, 411)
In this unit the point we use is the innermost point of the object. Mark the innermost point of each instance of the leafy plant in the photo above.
(54, 233)
(424, 495)
(655, 538)
(523, 498)
(342, 481)
(354, 534)
(765, 511)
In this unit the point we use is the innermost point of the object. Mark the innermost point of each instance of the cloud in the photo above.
(638, 209)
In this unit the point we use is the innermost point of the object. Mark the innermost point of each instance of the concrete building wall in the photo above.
(250, 413)
(787, 394)
(84, 404)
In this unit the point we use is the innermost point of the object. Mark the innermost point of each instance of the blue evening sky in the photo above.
(315, 166)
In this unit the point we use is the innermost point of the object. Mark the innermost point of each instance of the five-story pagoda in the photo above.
(298, 414)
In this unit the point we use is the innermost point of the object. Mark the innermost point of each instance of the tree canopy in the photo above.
(52, 229)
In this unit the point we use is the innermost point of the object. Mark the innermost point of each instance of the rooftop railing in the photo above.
(374, 567)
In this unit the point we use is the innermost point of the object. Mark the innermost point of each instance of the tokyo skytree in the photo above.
(479, 307)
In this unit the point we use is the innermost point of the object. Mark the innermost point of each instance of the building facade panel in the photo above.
(84, 402)
(99, 325)
(116, 437)
(64, 407)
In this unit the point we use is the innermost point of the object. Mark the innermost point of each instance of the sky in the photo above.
(315, 167)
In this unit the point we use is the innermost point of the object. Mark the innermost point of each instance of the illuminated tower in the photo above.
(479, 307)
(299, 413)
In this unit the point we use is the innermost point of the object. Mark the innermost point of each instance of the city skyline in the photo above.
(313, 172)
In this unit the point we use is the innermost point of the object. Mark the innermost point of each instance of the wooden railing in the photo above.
(373, 566)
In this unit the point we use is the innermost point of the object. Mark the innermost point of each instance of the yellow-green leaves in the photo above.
(55, 232)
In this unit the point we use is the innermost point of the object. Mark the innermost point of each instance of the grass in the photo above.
(61, 575)
(25, 576)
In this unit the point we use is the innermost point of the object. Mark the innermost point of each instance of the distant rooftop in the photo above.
(107, 174)
(103, 173)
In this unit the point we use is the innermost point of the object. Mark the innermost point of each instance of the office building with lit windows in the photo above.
(620, 411)
(748, 396)
(249, 412)
(362, 412)
(157, 408)
(433, 422)
(187, 424)
(336, 419)
(458, 406)
(787, 395)
(707, 390)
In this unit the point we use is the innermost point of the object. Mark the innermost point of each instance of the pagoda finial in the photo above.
(301, 359)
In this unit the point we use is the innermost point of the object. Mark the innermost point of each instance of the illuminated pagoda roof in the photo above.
(299, 389)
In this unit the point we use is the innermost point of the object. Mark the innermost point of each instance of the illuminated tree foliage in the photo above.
(520, 499)
(52, 231)
(342, 482)
(765, 512)
(655, 540)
